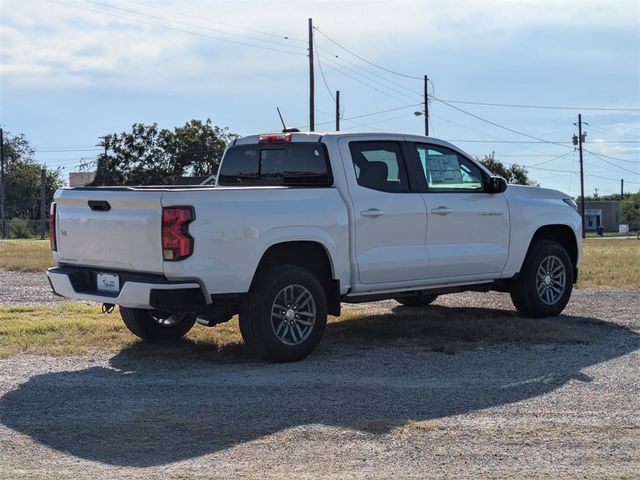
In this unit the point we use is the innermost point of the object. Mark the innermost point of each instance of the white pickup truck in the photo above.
(300, 222)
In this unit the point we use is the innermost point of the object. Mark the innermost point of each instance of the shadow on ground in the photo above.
(154, 406)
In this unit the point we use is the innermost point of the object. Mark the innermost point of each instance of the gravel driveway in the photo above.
(561, 410)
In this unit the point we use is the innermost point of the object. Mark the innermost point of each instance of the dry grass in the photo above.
(25, 255)
(76, 328)
(610, 264)
(450, 330)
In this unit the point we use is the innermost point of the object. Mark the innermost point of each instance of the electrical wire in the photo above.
(322, 73)
(167, 27)
(210, 20)
(399, 92)
(500, 126)
(164, 19)
(614, 165)
(609, 157)
(549, 107)
(364, 59)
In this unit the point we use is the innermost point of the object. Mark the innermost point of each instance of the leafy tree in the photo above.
(514, 174)
(22, 180)
(630, 209)
(151, 156)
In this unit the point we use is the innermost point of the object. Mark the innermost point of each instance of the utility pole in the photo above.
(337, 110)
(43, 184)
(580, 140)
(311, 85)
(2, 184)
(426, 107)
(621, 189)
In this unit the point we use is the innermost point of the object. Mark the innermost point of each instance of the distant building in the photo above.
(81, 179)
(602, 214)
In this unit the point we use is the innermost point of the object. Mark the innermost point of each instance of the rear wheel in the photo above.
(285, 313)
(156, 324)
(421, 300)
(545, 283)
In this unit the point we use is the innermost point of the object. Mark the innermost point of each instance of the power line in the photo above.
(324, 80)
(366, 84)
(410, 97)
(610, 157)
(370, 72)
(549, 107)
(210, 20)
(614, 165)
(364, 59)
(167, 27)
(500, 126)
(136, 12)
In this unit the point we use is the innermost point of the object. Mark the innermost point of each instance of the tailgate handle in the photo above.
(99, 205)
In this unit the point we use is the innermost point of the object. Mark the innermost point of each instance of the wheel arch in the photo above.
(565, 236)
(311, 255)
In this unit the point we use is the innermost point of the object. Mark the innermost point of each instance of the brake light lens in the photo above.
(177, 244)
(275, 139)
(52, 226)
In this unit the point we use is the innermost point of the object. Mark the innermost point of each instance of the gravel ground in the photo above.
(552, 411)
(23, 287)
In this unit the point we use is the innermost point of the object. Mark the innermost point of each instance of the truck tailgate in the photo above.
(117, 229)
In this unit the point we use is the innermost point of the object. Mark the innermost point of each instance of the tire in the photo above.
(285, 313)
(421, 300)
(156, 325)
(545, 283)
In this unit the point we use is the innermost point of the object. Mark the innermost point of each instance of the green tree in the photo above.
(151, 156)
(514, 174)
(22, 180)
(630, 209)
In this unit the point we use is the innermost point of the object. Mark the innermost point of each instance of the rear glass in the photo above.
(301, 164)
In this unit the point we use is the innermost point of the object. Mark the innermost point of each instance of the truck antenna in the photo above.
(284, 127)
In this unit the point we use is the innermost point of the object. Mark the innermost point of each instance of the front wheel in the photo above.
(157, 325)
(544, 285)
(285, 313)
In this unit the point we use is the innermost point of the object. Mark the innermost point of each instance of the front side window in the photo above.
(446, 170)
(379, 166)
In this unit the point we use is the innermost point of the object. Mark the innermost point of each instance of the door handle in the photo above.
(441, 211)
(372, 212)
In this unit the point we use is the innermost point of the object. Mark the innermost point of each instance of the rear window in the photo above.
(295, 164)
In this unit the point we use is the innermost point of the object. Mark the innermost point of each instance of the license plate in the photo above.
(108, 282)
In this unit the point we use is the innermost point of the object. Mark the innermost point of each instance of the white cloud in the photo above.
(47, 43)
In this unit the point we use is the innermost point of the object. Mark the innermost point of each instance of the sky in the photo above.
(73, 70)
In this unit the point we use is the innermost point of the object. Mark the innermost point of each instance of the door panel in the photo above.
(390, 221)
(471, 239)
(468, 230)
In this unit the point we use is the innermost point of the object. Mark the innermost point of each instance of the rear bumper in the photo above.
(136, 290)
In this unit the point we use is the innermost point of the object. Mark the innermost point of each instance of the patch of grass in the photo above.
(76, 328)
(610, 264)
(448, 330)
(25, 255)
(610, 234)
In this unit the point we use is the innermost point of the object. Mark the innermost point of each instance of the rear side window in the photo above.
(295, 164)
(379, 166)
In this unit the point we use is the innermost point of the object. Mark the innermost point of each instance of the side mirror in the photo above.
(496, 184)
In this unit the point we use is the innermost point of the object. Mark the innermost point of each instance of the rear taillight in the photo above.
(52, 226)
(176, 241)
